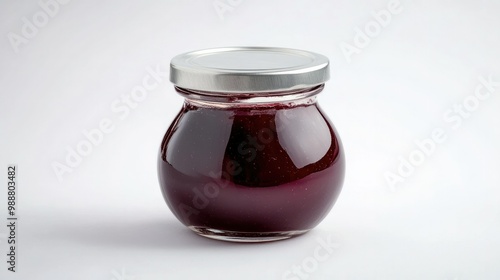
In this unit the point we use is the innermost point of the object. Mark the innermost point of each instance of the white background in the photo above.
(107, 219)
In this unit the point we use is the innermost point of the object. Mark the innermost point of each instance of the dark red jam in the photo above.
(267, 168)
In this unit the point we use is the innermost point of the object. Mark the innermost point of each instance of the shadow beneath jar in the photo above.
(158, 234)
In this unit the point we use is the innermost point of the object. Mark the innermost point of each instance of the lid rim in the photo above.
(249, 69)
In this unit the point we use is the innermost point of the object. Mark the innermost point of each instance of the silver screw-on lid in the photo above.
(248, 69)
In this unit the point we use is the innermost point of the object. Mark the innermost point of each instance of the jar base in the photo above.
(245, 237)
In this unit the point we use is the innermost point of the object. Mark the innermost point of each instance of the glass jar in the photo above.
(250, 157)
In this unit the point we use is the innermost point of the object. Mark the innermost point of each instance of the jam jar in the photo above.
(251, 156)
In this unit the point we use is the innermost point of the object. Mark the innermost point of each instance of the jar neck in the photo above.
(290, 98)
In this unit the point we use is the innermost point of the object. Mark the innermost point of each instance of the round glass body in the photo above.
(251, 169)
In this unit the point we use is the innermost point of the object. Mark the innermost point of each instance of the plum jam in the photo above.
(249, 166)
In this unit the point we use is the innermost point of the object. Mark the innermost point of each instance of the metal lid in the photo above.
(248, 69)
